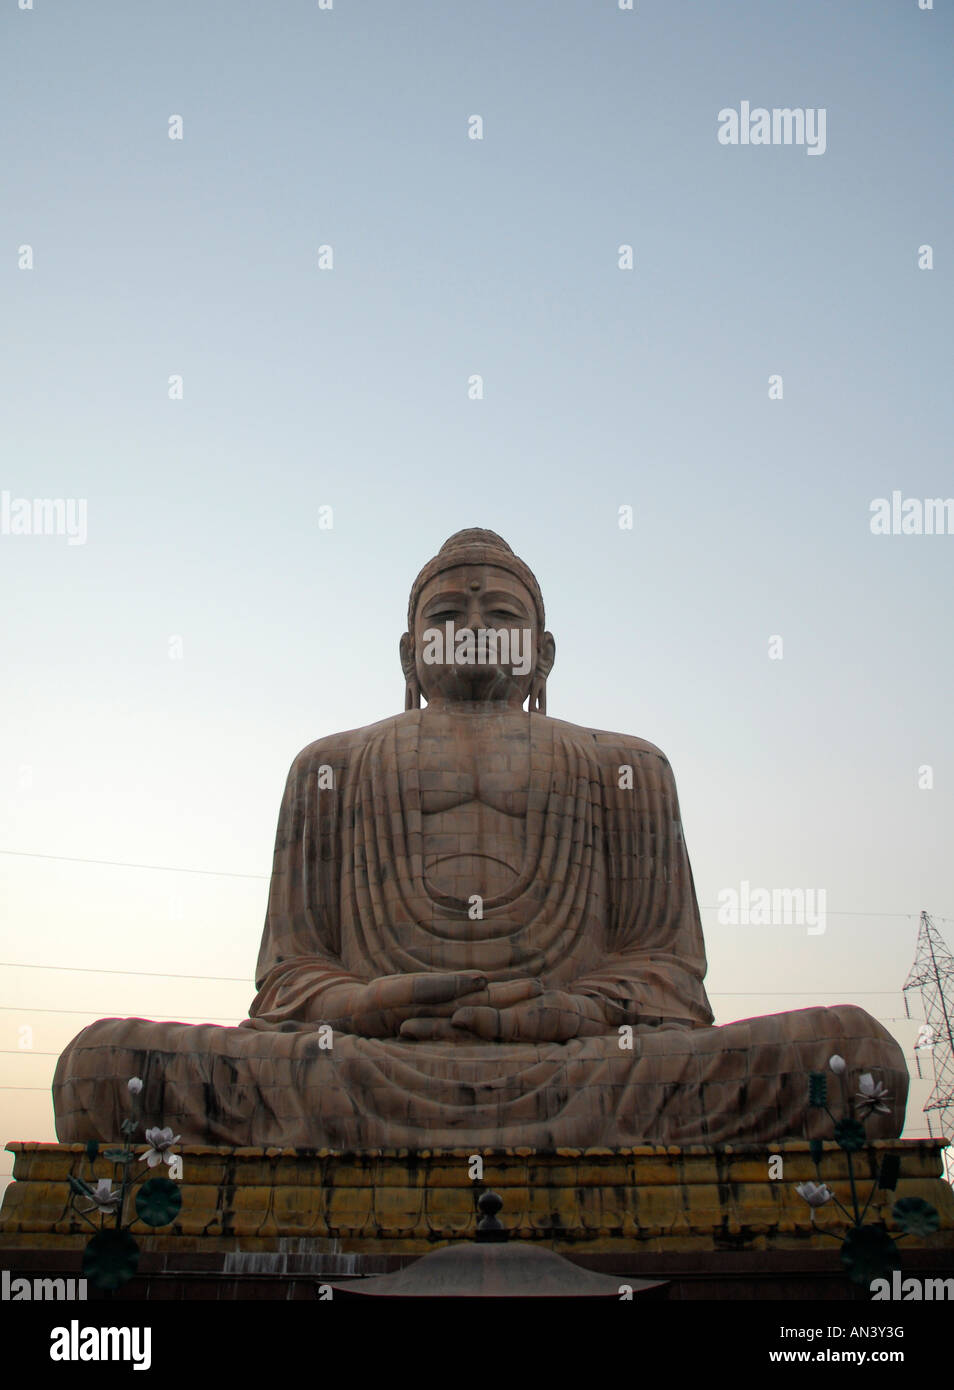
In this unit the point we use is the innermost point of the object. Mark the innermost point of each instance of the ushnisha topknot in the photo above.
(476, 546)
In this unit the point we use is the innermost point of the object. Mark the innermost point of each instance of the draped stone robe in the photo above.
(603, 905)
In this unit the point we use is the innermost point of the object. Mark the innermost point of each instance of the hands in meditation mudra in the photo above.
(492, 912)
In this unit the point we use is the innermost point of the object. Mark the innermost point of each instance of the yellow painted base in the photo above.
(646, 1199)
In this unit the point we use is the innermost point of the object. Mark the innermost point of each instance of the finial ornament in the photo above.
(488, 1227)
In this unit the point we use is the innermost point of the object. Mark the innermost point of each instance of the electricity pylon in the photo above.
(933, 974)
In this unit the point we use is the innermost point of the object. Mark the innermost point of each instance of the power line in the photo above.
(97, 970)
(789, 993)
(228, 873)
(123, 864)
(247, 980)
(92, 1013)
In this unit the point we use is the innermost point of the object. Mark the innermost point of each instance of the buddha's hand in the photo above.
(518, 1011)
(380, 1008)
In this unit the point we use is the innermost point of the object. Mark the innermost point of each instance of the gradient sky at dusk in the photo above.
(348, 388)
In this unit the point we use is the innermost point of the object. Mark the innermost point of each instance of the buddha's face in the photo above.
(476, 637)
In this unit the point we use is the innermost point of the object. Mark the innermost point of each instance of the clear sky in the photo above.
(160, 677)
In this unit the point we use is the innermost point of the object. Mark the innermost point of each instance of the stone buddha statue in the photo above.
(482, 930)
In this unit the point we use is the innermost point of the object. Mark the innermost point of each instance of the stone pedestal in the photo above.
(706, 1219)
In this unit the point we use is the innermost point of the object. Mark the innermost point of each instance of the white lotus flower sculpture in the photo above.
(816, 1194)
(160, 1141)
(872, 1095)
(105, 1198)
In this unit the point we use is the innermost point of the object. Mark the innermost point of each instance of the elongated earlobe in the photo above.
(538, 686)
(412, 686)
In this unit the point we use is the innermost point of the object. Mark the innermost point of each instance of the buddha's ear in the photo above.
(546, 656)
(412, 689)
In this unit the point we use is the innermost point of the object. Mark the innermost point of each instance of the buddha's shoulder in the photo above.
(338, 749)
(609, 745)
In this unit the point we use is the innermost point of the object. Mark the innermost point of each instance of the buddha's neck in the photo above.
(442, 705)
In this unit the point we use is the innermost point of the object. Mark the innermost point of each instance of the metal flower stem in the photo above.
(850, 1174)
(88, 1219)
(849, 1114)
(130, 1126)
(854, 1190)
(840, 1204)
(85, 1216)
(836, 1201)
(874, 1188)
(850, 1108)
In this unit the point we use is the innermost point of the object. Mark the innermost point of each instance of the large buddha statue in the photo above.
(482, 930)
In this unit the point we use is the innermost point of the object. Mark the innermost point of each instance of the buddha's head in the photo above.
(476, 627)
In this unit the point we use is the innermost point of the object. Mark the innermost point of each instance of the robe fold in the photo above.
(603, 905)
